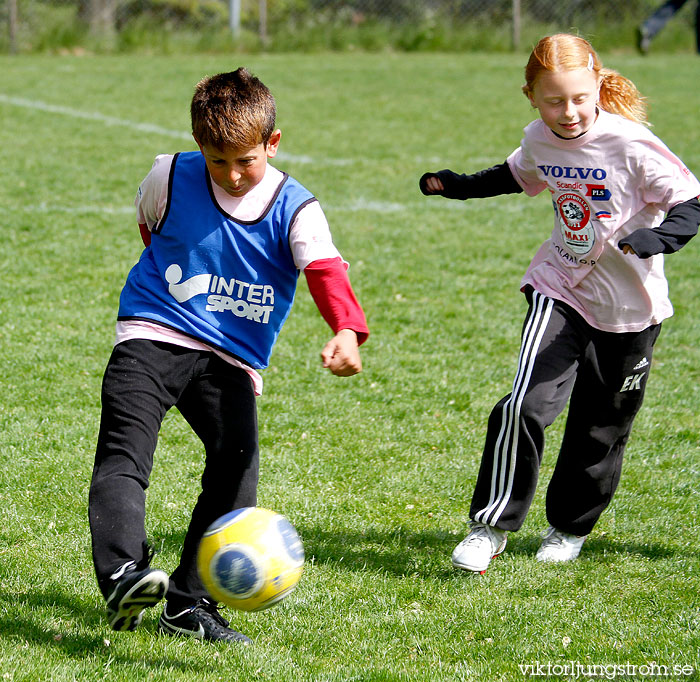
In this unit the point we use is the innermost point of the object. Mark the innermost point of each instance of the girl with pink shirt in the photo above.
(596, 291)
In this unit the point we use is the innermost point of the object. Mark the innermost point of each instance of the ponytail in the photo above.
(619, 95)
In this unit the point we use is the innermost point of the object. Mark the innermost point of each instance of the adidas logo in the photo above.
(642, 363)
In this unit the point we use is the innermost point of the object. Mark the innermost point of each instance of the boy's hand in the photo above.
(341, 354)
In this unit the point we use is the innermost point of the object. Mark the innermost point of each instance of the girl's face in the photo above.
(566, 100)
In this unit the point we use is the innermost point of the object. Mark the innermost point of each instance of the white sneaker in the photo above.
(482, 544)
(559, 546)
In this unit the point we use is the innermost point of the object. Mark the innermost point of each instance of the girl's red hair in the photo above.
(566, 52)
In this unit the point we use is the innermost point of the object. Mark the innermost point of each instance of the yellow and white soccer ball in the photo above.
(250, 559)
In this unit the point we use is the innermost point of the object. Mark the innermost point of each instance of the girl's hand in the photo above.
(341, 355)
(430, 183)
(434, 184)
(627, 249)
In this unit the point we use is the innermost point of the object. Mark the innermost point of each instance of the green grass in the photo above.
(375, 471)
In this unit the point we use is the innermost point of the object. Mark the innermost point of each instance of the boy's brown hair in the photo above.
(234, 110)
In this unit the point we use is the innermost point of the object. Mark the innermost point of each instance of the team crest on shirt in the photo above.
(575, 222)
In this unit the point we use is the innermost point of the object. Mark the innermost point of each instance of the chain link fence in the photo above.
(36, 25)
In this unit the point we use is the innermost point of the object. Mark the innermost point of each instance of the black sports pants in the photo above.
(604, 374)
(656, 21)
(143, 380)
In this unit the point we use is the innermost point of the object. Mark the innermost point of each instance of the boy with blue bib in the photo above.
(226, 235)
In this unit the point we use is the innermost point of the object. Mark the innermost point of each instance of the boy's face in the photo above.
(566, 100)
(237, 171)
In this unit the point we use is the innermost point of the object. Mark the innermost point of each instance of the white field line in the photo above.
(374, 206)
(38, 105)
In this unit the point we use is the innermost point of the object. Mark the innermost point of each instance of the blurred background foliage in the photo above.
(176, 26)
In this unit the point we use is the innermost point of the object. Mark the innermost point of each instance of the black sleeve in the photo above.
(677, 229)
(486, 183)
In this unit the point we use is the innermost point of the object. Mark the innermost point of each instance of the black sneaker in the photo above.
(201, 621)
(134, 590)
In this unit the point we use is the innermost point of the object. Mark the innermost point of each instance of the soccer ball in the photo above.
(250, 559)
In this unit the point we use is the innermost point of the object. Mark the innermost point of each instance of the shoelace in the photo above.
(479, 533)
(212, 609)
(556, 538)
(144, 562)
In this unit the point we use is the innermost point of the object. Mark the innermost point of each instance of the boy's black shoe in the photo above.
(134, 590)
(202, 621)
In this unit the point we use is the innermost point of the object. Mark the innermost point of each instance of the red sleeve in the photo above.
(331, 290)
(145, 234)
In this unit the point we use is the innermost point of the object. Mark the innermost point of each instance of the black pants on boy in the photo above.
(143, 380)
(603, 376)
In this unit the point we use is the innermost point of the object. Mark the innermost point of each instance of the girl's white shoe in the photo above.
(482, 544)
(559, 546)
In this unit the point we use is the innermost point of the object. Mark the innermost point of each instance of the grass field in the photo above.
(375, 471)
